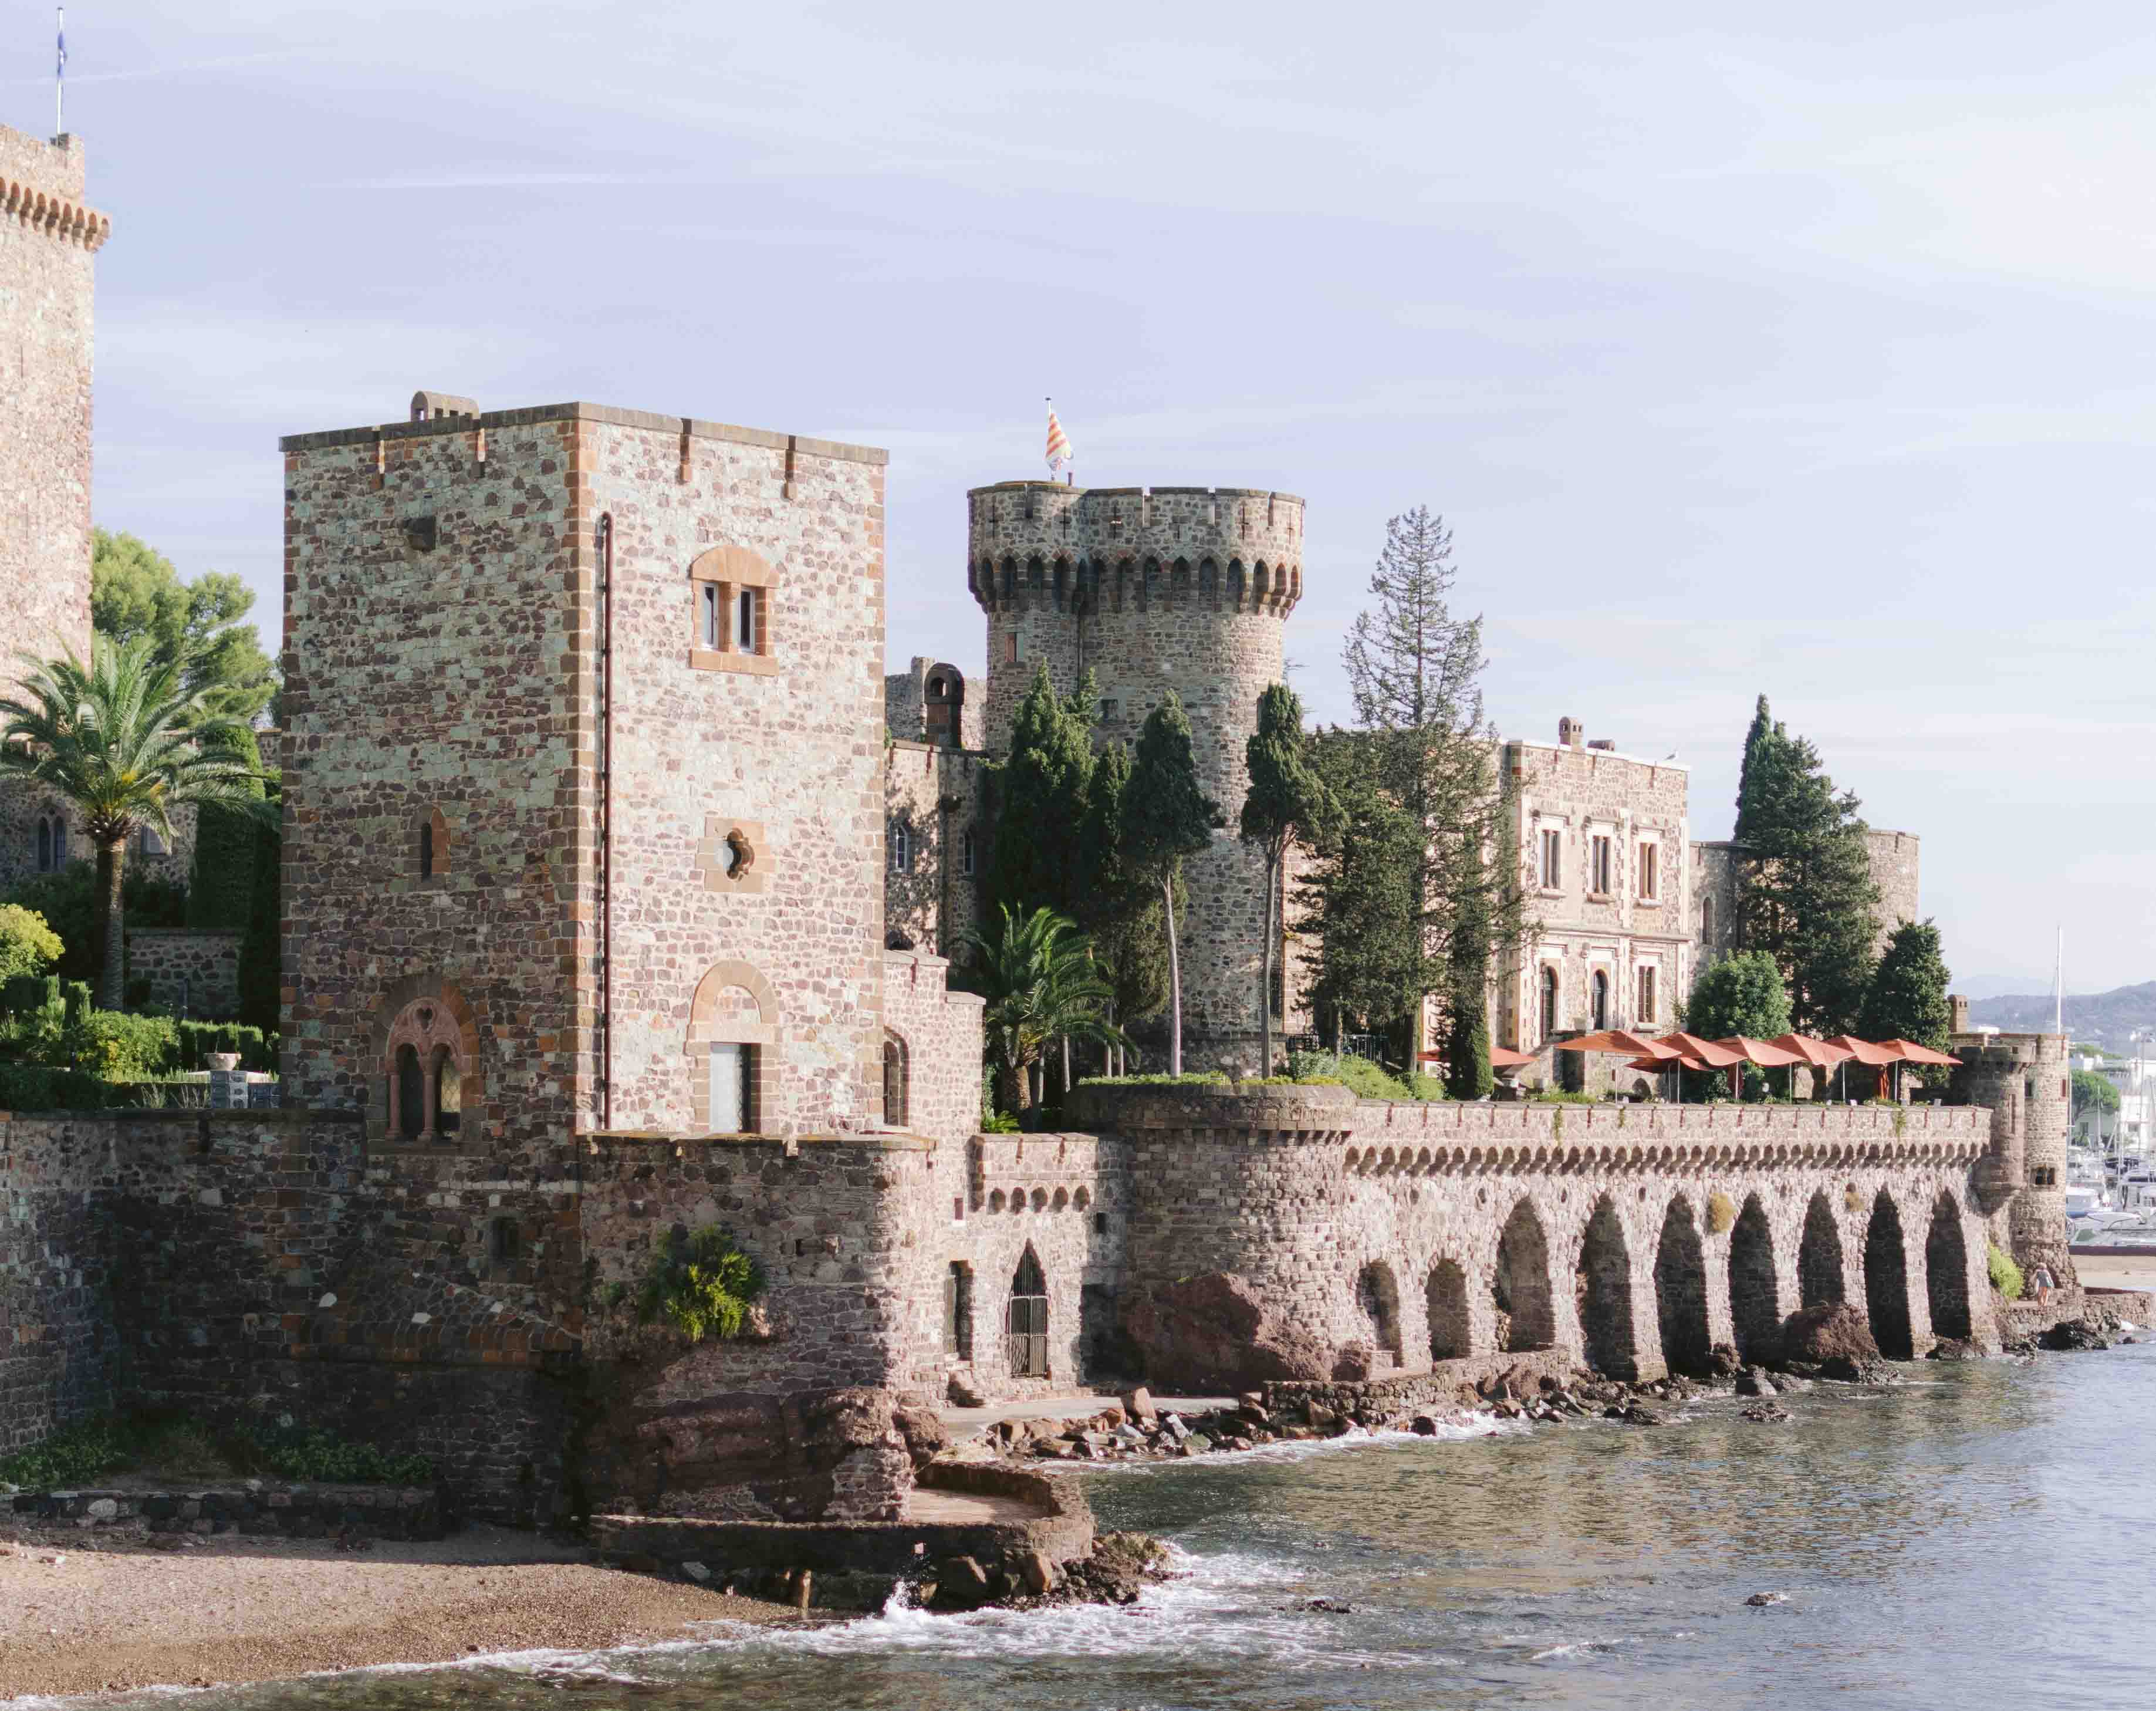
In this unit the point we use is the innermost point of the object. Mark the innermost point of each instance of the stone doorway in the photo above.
(1447, 1293)
(1681, 1291)
(1603, 1287)
(1886, 1281)
(1026, 1319)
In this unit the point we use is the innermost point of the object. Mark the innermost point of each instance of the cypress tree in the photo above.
(1041, 784)
(1120, 913)
(1167, 817)
(1468, 1074)
(1908, 998)
(1358, 897)
(1288, 799)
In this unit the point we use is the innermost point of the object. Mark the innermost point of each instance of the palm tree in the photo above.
(1038, 978)
(124, 742)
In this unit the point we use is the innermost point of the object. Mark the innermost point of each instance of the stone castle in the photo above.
(587, 797)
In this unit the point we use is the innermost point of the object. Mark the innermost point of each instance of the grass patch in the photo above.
(2005, 1276)
(187, 1452)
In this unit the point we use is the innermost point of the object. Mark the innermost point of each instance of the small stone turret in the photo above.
(2021, 1182)
(1152, 589)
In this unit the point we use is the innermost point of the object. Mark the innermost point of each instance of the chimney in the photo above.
(1570, 733)
(1957, 1014)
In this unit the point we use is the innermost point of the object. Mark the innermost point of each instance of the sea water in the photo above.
(1976, 1536)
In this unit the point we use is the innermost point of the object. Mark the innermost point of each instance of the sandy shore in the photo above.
(83, 1611)
(2124, 1272)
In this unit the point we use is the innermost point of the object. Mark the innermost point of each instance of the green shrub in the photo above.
(702, 1285)
(1558, 1095)
(2005, 1276)
(1720, 1213)
(30, 995)
(74, 1000)
(28, 945)
(1001, 1123)
(293, 1452)
(117, 1046)
(76, 1455)
(1194, 1078)
(1363, 1078)
(35, 1087)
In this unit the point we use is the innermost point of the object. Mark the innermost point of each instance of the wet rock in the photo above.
(1318, 1417)
(696, 1572)
(1138, 1405)
(2073, 1336)
(1722, 1361)
(1770, 1414)
(1120, 1568)
(1760, 1600)
(961, 1583)
(1197, 1444)
(1036, 1572)
(1424, 1427)
(1355, 1363)
(1955, 1349)
(1754, 1381)
(1831, 1334)
(1215, 1332)
(1320, 1607)
(1639, 1413)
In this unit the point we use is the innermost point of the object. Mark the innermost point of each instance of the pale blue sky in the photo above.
(1807, 355)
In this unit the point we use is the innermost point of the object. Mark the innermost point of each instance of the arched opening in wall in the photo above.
(1447, 1294)
(733, 1051)
(1235, 584)
(1519, 1285)
(1602, 1285)
(1178, 583)
(1009, 577)
(45, 844)
(897, 1083)
(1377, 1296)
(449, 1093)
(1261, 583)
(1101, 1348)
(1681, 1291)
(1707, 924)
(1062, 583)
(1026, 1320)
(1946, 1271)
(1819, 1265)
(1036, 575)
(1886, 1281)
(433, 843)
(1208, 581)
(1601, 1000)
(410, 1094)
(1755, 1303)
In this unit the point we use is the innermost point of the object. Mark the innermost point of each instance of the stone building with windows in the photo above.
(936, 809)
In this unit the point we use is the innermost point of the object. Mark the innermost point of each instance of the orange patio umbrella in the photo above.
(1821, 1054)
(1761, 1052)
(1612, 1040)
(1865, 1052)
(1504, 1058)
(1911, 1052)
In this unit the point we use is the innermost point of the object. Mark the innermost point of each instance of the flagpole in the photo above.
(59, 80)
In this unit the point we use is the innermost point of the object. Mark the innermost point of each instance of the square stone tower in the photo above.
(48, 241)
(583, 776)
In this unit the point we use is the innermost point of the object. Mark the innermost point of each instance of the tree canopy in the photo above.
(200, 626)
(1037, 975)
(1358, 895)
(2094, 1093)
(1040, 785)
(1167, 818)
(1804, 891)
(1742, 994)
(1907, 997)
(1288, 799)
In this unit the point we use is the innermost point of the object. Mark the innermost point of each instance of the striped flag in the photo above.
(1059, 445)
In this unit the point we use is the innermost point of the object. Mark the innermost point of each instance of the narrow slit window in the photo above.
(732, 1072)
(712, 638)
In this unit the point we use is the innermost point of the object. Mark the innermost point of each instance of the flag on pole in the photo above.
(59, 74)
(60, 70)
(1058, 444)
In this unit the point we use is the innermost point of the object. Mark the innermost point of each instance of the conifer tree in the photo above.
(1415, 672)
(1288, 799)
(1907, 999)
(1358, 897)
(1167, 817)
(1121, 914)
(1040, 784)
(1468, 1072)
(1804, 891)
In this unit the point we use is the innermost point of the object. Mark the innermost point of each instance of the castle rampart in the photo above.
(1153, 589)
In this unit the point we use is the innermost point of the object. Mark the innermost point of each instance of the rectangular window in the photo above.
(1599, 867)
(747, 630)
(1649, 875)
(733, 1067)
(710, 611)
(1010, 649)
(1644, 1011)
(1553, 842)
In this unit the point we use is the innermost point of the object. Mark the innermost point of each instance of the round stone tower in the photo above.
(1155, 588)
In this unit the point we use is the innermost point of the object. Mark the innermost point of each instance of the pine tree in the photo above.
(1907, 999)
(1167, 817)
(1288, 800)
(1415, 671)
(1468, 1074)
(1358, 897)
(1041, 784)
(1119, 914)
(1804, 890)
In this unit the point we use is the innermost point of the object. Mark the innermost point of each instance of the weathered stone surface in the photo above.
(1213, 1332)
(1834, 1337)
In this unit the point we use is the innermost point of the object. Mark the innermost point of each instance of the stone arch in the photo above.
(1520, 1284)
(1681, 1291)
(1820, 1268)
(733, 1030)
(1886, 1280)
(1377, 1298)
(1149, 589)
(1235, 584)
(1178, 583)
(1447, 1295)
(1010, 577)
(1208, 581)
(1946, 1269)
(897, 1080)
(1036, 575)
(1597, 1008)
(1755, 1305)
(431, 852)
(1603, 1287)
(1025, 1317)
(420, 1023)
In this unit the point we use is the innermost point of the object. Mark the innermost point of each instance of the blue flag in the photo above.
(60, 70)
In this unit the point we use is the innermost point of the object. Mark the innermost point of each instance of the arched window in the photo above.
(895, 1082)
(1208, 581)
(731, 1044)
(1601, 1000)
(1549, 1002)
(901, 847)
(44, 846)
(427, 1063)
(1235, 582)
(1152, 583)
(968, 851)
(427, 850)
(59, 842)
(1026, 1321)
(433, 843)
(1706, 923)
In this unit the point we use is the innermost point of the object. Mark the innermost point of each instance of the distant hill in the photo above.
(2103, 1018)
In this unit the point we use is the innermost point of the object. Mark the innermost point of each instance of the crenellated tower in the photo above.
(1154, 588)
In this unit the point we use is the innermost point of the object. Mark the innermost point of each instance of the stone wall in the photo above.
(938, 1033)
(1181, 587)
(58, 1326)
(938, 795)
(48, 237)
(1894, 858)
(191, 973)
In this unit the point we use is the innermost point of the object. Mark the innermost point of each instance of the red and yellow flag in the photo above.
(1059, 445)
